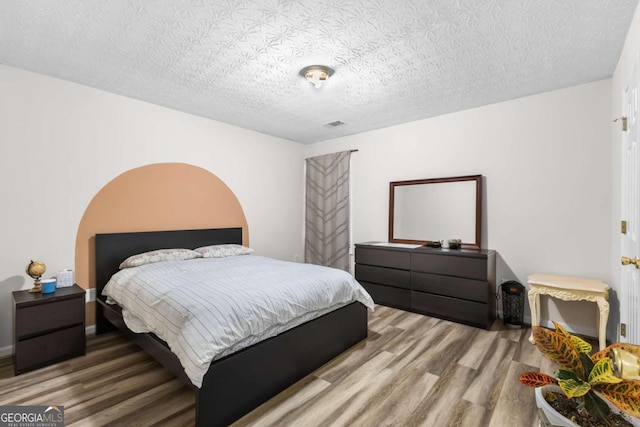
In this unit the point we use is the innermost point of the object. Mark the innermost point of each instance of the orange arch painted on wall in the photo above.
(162, 196)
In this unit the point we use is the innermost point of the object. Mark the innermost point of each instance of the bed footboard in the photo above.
(235, 385)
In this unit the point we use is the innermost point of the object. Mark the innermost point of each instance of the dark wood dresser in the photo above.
(48, 328)
(457, 285)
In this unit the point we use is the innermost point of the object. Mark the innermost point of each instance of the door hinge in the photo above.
(623, 227)
(623, 329)
(623, 123)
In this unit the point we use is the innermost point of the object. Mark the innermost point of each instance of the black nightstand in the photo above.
(48, 328)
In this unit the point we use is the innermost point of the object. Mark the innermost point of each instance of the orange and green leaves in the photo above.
(537, 379)
(633, 349)
(574, 388)
(559, 348)
(581, 345)
(625, 395)
(602, 373)
(580, 376)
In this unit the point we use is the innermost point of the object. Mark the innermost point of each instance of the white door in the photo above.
(630, 241)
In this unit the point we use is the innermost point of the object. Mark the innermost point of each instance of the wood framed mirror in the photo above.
(429, 210)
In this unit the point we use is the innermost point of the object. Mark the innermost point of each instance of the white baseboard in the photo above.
(90, 295)
(6, 351)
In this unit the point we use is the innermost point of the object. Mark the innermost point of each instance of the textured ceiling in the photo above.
(237, 61)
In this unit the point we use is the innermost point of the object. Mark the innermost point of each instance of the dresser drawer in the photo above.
(38, 351)
(40, 318)
(469, 312)
(387, 295)
(383, 258)
(469, 289)
(450, 265)
(383, 276)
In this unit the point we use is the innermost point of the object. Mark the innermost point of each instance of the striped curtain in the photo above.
(327, 211)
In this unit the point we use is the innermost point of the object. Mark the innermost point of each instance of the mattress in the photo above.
(208, 308)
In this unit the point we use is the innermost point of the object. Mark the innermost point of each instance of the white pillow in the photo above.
(159, 256)
(221, 251)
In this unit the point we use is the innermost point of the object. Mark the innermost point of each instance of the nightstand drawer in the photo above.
(41, 318)
(39, 351)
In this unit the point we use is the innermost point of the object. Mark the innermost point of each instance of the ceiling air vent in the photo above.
(336, 123)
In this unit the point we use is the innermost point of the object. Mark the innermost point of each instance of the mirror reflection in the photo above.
(436, 209)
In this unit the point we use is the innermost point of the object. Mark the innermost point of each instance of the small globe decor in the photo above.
(36, 269)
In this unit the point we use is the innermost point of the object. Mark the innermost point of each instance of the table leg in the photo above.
(534, 305)
(603, 307)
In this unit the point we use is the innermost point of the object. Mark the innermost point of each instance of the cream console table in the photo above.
(570, 289)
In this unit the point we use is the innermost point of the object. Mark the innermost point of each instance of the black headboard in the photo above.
(113, 248)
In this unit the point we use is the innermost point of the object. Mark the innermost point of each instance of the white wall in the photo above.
(546, 158)
(619, 80)
(61, 142)
(547, 163)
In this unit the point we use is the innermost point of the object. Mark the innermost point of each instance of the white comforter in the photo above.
(207, 308)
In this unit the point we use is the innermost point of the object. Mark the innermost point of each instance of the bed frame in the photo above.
(238, 383)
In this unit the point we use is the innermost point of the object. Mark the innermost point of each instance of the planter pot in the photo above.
(549, 417)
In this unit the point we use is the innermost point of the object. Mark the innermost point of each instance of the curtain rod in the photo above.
(351, 151)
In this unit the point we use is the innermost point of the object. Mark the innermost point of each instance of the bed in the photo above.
(239, 382)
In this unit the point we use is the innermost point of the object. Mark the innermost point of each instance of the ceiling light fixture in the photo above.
(316, 74)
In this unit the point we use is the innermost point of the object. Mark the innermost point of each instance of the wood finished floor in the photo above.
(412, 370)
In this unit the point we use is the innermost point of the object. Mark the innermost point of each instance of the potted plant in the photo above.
(583, 378)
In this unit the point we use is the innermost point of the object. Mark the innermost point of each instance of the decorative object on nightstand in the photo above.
(48, 286)
(48, 328)
(36, 269)
(65, 278)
